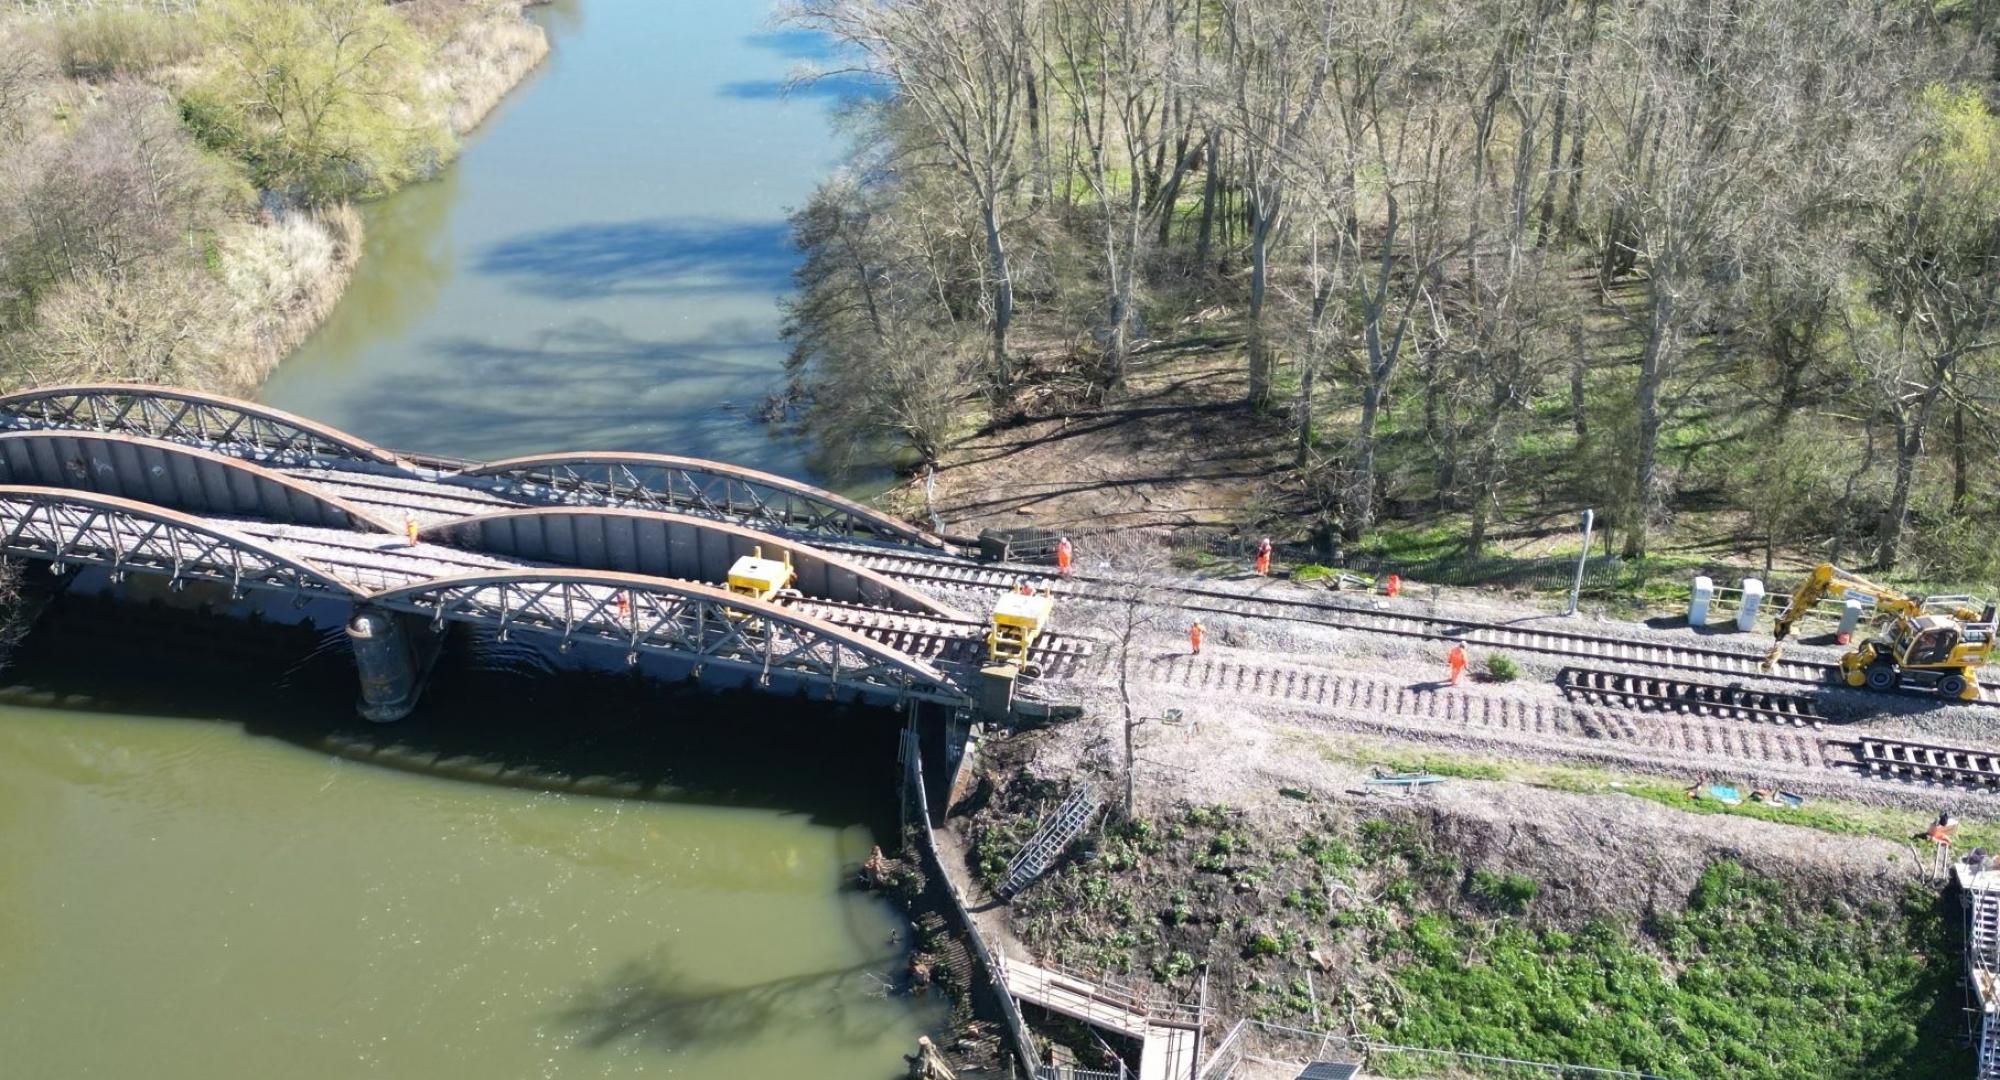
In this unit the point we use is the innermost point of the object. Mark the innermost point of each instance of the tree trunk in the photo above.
(1652, 373)
(1003, 298)
(1911, 427)
(1260, 353)
(1210, 183)
(1547, 211)
(1579, 420)
(1959, 481)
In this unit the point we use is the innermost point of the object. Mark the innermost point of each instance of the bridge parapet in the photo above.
(63, 527)
(691, 486)
(209, 421)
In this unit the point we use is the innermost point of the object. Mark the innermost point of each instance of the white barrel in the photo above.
(1850, 617)
(1753, 597)
(1698, 597)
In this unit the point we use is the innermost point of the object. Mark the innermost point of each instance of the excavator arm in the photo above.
(1827, 579)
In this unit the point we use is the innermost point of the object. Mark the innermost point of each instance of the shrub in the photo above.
(1502, 668)
(1509, 890)
(1263, 943)
(103, 42)
(1177, 965)
(295, 101)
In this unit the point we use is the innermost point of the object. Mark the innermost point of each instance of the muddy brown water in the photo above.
(209, 868)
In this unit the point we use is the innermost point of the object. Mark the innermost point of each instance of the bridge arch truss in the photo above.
(691, 486)
(693, 622)
(209, 421)
(62, 527)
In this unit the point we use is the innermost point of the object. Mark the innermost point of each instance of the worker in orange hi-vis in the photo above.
(1264, 556)
(1194, 636)
(410, 529)
(1456, 658)
(624, 606)
(1024, 588)
(1063, 554)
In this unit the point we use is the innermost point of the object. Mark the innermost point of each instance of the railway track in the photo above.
(1548, 724)
(1652, 693)
(958, 575)
(1897, 759)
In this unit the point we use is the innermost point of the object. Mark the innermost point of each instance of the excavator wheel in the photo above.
(1883, 677)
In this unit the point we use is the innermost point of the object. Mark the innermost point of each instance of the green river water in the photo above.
(209, 868)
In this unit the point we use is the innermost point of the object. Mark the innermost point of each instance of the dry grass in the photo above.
(282, 278)
(487, 50)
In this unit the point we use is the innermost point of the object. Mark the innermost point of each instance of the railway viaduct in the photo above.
(624, 552)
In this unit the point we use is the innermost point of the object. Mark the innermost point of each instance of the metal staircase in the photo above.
(1982, 964)
(1050, 839)
(1982, 934)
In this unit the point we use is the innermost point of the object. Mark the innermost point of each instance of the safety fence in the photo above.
(1257, 1048)
(1065, 1072)
(987, 987)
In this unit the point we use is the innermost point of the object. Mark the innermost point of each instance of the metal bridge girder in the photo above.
(695, 622)
(197, 419)
(62, 526)
(691, 486)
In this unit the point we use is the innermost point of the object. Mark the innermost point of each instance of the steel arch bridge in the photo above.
(191, 417)
(690, 486)
(675, 618)
(64, 527)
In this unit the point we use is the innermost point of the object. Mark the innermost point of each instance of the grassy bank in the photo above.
(178, 181)
(1401, 925)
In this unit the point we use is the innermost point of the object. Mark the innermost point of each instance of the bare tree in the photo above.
(960, 64)
(1935, 317)
(1279, 55)
(1114, 65)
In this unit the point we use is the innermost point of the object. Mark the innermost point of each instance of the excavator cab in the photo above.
(1928, 641)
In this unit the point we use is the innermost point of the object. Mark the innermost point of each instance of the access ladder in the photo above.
(1050, 839)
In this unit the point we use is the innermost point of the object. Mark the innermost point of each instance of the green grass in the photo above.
(1823, 815)
(1751, 980)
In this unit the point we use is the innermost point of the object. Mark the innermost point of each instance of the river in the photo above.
(209, 868)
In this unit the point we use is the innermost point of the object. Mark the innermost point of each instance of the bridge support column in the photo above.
(389, 672)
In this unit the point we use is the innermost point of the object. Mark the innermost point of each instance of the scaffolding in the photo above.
(1979, 891)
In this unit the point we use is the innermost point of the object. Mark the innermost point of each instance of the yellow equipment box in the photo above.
(759, 578)
(1017, 619)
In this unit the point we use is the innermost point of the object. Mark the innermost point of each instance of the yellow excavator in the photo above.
(1937, 642)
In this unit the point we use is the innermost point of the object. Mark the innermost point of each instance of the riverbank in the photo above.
(151, 237)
